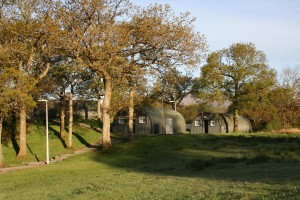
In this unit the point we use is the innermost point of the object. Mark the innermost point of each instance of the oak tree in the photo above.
(172, 87)
(32, 34)
(96, 43)
(159, 40)
(238, 73)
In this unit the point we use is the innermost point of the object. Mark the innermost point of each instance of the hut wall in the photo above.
(120, 123)
(151, 121)
(208, 123)
(178, 122)
(218, 123)
(143, 124)
(244, 123)
(197, 125)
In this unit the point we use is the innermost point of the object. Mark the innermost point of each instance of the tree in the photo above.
(4, 102)
(287, 107)
(96, 43)
(31, 34)
(172, 87)
(61, 83)
(290, 77)
(286, 96)
(238, 73)
(91, 89)
(159, 40)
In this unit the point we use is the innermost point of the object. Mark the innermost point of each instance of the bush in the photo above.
(274, 124)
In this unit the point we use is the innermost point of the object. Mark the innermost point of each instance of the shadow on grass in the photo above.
(83, 141)
(15, 144)
(57, 134)
(241, 158)
(36, 157)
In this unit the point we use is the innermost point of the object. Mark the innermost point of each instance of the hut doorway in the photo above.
(169, 126)
(205, 126)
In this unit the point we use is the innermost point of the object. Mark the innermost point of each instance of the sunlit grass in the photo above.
(36, 143)
(246, 166)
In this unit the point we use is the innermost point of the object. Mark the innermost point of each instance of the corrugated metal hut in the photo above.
(209, 123)
(218, 123)
(150, 121)
(244, 124)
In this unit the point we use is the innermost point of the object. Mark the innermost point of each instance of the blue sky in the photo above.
(272, 25)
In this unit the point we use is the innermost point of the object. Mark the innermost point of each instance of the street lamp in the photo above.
(174, 104)
(47, 140)
(163, 117)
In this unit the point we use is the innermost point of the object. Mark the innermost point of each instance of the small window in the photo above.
(213, 123)
(197, 123)
(121, 120)
(142, 120)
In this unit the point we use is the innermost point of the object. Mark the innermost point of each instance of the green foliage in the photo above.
(238, 74)
(189, 112)
(287, 105)
(274, 124)
(172, 86)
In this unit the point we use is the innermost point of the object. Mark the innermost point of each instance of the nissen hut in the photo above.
(244, 123)
(218, 123)
(150, 121)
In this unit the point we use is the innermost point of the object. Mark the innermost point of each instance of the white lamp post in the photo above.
(47, 140)
(163, 117)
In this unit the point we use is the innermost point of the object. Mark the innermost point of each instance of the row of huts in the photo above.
(158, 121)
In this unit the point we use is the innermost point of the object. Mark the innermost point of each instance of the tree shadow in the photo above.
(234, 158)
(35, 155)
(57, 134)
(83, 141)
(15, 143)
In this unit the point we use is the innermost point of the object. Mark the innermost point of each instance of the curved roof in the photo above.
(244, 123)
(158, 119)
(227, 122)
(157, 116)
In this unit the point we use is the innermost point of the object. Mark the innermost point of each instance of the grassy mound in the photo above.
(182, 154)
(36, 143)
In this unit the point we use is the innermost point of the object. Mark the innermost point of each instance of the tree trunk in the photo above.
(1, 153)
(106, 142)
(86, 112)
(70, 121)
(62, 117)
(131, 112)
(236, 120)
(99, 114)
(22, 151)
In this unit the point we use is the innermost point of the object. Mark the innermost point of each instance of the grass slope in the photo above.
(36, 143)
(252, 166)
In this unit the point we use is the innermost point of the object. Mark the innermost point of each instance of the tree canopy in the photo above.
(238, 73)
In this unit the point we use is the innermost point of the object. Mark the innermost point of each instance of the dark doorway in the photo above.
(156, 129)
(205, 126)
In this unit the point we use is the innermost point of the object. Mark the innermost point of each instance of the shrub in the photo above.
(274, 124)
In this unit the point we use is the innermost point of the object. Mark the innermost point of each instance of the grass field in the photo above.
(36, 143)
(246, 166)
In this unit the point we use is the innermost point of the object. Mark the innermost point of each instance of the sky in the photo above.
(272, 25)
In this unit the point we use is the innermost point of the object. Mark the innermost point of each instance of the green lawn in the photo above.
(246, 166)
(36, 143)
